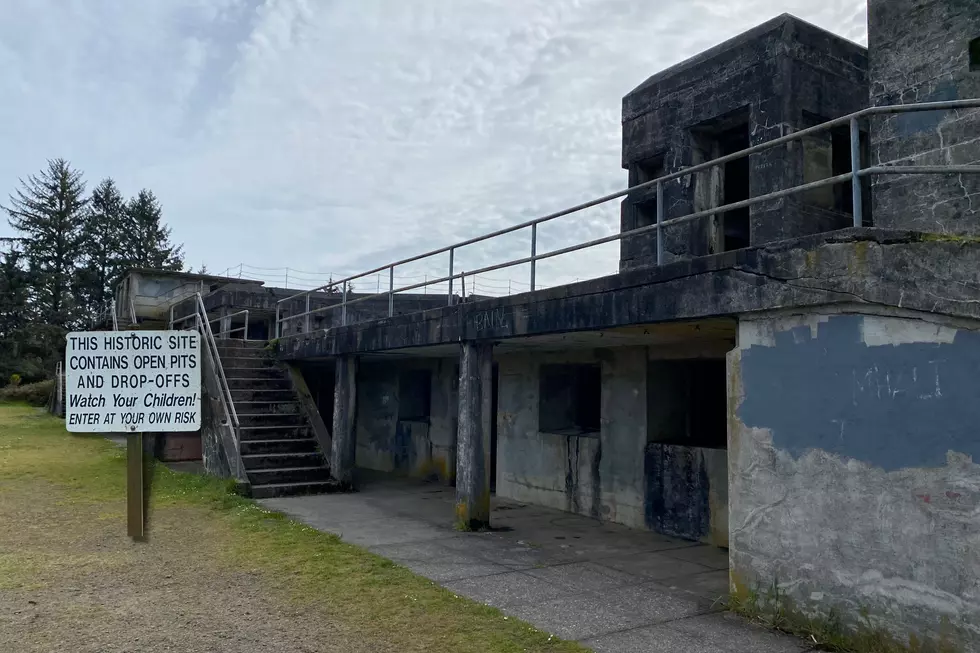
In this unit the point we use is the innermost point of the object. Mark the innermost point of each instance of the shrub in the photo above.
(15, 379)
(35, 394)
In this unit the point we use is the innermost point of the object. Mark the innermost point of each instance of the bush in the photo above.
(15, 379)
(35, 394)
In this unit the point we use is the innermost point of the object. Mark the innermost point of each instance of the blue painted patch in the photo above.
(402, 446)
(920, 122)
(894, 406)
(677, 491)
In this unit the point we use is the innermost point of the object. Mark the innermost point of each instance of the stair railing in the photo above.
(203, 325)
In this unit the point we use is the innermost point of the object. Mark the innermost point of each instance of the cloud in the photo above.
(341, 135)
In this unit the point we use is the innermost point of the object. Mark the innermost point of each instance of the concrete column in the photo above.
(343, 445)
(224, 324)
(473, 439)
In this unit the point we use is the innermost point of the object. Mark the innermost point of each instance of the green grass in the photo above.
(363, 593)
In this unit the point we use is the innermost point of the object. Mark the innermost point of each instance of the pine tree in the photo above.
(103, 244)
(49, 212)
(148, 244)
(15, 292)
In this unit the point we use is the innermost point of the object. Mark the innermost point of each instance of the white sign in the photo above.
(133, 381)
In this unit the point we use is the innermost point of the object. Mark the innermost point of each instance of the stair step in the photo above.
(270, 490)
(310, 474)
(291, 445)
(254, 372)
(257, 383)
(265, 461)
(245, 395)
(251, 362)
(274, 432)
(267, 407)
(271, 419)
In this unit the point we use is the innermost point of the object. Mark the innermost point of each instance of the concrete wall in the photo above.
(772, 73)
(614, 475)
(919, 52)
(853, 440)
(419, 448)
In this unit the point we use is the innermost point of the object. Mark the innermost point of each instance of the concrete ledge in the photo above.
(903, 269)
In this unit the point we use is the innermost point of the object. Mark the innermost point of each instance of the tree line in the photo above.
(70, 250)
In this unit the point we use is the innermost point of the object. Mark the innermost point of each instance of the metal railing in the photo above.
(221, 333)
(855, 175)
(203, 326)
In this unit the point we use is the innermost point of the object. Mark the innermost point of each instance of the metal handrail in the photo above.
(227, 402)
(855, 175)
(244, 329)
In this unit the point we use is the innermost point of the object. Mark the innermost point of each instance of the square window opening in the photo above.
(687, 403)
(569, 399)
(414, 395)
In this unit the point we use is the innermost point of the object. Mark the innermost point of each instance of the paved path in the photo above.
(615, 589)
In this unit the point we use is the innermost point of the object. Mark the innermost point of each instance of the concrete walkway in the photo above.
(610, 587)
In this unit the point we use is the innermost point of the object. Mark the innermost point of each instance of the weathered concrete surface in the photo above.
(219, 450)
(343, 449)
(473, 435)
(308, 408)
(599, 475)
(854, 481)
(782, 75)
(617, 590)
(423, 447)
(616, 474)
(890, 268)
(919, 52)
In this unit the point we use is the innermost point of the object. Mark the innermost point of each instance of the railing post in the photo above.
(343, 307)
(660, 219)
(306, 321)
(534, 253)
(391, 291)
(170, 325)
(856, 194)
(245, 333)
(276, 330)
(452, 252)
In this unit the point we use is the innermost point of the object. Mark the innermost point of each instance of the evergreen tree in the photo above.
(103, 244)
(148, 243)
(49, 212)
(15, 292)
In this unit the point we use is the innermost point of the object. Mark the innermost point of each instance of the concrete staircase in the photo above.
(278, 447)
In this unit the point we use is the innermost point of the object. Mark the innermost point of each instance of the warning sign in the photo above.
(133, 381)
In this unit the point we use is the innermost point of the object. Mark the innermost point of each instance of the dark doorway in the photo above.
(723, 184)
(735, 224)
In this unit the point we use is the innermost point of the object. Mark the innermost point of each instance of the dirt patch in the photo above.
(71, 581)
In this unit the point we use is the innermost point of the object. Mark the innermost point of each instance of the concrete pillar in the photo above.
(224, 324)
(343, 445)
(473, 438)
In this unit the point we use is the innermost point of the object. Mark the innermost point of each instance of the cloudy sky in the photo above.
(337, 135)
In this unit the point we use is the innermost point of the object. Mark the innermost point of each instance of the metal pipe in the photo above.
(856, 195)
(277, 321)
(452, 252)
(844, 120)
(534, 254)
(660, 223)
(920, 170)
(391, 291)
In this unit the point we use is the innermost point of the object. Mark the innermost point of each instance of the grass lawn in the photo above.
(217, 573)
